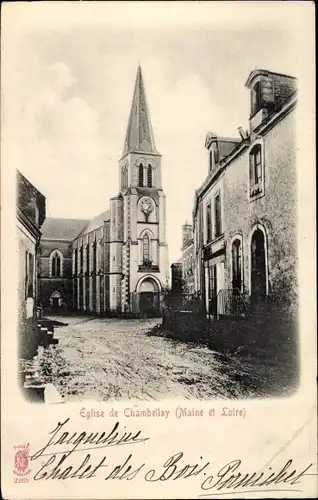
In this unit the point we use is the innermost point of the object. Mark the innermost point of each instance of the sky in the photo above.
(70, 76)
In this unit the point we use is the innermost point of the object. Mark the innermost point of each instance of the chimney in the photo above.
(243, 133)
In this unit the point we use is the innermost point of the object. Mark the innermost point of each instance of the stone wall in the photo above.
(276, 211)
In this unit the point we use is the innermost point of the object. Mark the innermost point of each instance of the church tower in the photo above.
(143, 207)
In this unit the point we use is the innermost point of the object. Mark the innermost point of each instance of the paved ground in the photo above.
(113, 359)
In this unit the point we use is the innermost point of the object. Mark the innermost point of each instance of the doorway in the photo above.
(213, 290)
(55, 300)
(146, 304)
(148, 298)
(258, 266)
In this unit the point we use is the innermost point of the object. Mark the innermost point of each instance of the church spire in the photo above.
(139, 135)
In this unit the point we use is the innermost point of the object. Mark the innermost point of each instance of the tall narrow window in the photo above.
(26, 274)
(56, 265)
(236, 264)
(75, 262)
(146, 249)
(256, 174)
(149, 176)
(124, 177)
(141, 175)
(94, 258)
(31, 275)
(208, 223)
(87, 259)
(217, 215)
(81, 260)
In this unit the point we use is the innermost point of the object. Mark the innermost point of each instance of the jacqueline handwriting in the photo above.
(75, 439)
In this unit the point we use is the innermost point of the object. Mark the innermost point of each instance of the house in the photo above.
(245, 212)
(30, 215)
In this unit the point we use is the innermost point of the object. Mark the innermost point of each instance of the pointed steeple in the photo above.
(139, 135)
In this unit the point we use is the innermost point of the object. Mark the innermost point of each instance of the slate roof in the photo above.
(62, 229)
(96, 222)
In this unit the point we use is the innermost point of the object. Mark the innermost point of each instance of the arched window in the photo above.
(256, 170)
(237, 264)
(146, 249)
(149, 176)
(56, 264)
(141, 175)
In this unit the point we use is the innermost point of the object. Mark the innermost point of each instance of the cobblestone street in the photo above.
(113, 359)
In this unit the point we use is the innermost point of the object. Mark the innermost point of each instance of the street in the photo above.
(110, 359)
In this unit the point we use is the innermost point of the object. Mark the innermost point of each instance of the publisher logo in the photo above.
(21, 460)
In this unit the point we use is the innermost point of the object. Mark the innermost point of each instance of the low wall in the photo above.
(186, 325)
(229, 334)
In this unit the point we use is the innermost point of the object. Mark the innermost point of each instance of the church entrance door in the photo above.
(146, 304)
(55, 302)
(148, 298)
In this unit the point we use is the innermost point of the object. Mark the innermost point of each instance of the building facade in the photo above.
(30, 216)
(119, 258)
(55, 262)
(245, 212)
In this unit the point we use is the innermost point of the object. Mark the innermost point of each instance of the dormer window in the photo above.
(256, 174)
(216, 156)
(256, 98)
(210, 160)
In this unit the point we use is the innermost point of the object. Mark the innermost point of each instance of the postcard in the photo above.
(158, 291)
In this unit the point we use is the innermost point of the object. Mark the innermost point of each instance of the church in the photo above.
(116, 262)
